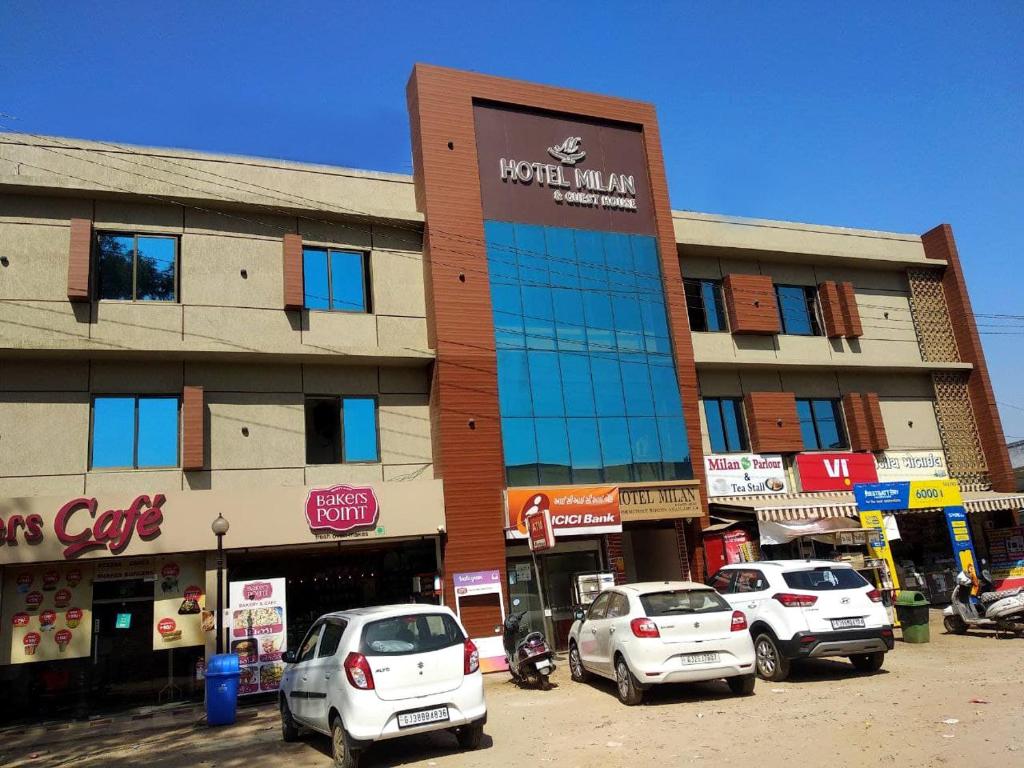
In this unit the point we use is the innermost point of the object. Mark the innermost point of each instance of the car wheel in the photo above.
(742, 685)
(289, 730)
(470, 736)
(576, 668)
(771, 664)
(629, 690)
(341, 750)
(868, 662)
(955, 625)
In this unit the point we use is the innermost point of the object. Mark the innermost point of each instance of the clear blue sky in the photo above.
(889, 116)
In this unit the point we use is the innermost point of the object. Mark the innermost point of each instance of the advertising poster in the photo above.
(738, 474)
(1006, 549)
(960, 535)
(257, 632)
(835, 471)
(492, 651)
(178, 599)
(47, 612)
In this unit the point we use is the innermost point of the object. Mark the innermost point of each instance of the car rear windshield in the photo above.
(413, 633)
(824, 579)
(682, 601)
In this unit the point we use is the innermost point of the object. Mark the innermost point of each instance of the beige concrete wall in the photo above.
(906, 400)
(230, 284)
(883, 302)
(53, 398)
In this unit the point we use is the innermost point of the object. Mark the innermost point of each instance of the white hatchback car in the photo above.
(662, 632)
(370, 674)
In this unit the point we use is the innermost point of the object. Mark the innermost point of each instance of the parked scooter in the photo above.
(530, 660)
(990, 610)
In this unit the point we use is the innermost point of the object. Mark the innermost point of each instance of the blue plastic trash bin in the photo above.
(222, 675)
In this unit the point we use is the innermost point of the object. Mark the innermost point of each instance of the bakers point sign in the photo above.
(342, 508)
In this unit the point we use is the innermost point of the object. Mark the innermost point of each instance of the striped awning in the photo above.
(991, 501)
(798, 506)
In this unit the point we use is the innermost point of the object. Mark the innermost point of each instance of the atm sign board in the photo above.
(539, 531)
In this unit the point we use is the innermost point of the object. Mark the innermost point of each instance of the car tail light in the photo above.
(795, 601)
(644, 628)
(739, 621)
(472, 658)
(357, 669)
(875, 596)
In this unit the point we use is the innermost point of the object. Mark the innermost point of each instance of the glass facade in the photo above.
(586, 379)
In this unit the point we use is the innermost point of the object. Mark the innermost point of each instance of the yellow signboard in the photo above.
(925, 494)
(878, 547)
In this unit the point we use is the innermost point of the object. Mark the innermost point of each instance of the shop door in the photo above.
(123, 658)
(557, 570)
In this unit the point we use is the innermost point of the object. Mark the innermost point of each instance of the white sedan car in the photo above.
(662, 632)
(370, 674)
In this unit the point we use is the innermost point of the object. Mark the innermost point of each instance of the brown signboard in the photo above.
(545, 168)
(659, 501)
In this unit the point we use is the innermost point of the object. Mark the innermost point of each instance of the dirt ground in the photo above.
(918, 711)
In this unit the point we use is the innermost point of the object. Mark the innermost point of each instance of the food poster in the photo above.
(1006, 550)
(47, 613)
(178, 599)
(258, 631)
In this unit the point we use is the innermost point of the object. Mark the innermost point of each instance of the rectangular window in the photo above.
(341, 429)
(725, 424)
(705, 305)
(137, 267)
(821, 424)
(131, 432)
(797, 309)
(335, 280)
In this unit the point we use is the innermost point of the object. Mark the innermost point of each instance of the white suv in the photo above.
(379, 673)
(800, 609)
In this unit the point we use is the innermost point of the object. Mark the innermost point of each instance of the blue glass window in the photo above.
(725, 424)
(586, 380)
(137, 267)
(131, 432)
(335, 280)
(821, 424)
(705, 305)
(341, 429)
(797, 309)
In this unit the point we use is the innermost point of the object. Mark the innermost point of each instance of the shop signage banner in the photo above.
(342, 508)
(914, 494)
(738, 474)
(575, 511)
(960, 535)
(47, 613)
(258, 630)
(540, 534)
(835, 471)
(178, 597)
(659, 501)
(911, 465)
(1006, 549)
(491, 648)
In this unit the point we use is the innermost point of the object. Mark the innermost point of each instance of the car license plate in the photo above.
(700, 658)
(847, 623)
(424, 716)
(542, 665)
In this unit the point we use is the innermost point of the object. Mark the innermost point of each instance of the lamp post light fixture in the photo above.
(220, 527)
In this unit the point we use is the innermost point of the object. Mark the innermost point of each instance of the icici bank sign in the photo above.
(81, 526)
(342, 508)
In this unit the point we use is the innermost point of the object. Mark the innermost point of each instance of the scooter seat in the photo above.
(987, 598)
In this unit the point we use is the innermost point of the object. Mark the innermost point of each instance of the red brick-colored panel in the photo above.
(193, 430)
(750, 302)
(852, 328)
(294, 294)
(79, 259)
(773, 423)
(876, 426)
(857, 427)
(939, 244)
(831, 309)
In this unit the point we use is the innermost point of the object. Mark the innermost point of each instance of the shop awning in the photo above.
(782, 507)
(990, 501)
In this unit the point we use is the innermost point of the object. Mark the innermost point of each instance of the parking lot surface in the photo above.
(955, 699)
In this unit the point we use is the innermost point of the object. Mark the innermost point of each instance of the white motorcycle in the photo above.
(1003, 610)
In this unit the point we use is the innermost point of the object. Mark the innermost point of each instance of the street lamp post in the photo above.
(220, 527)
